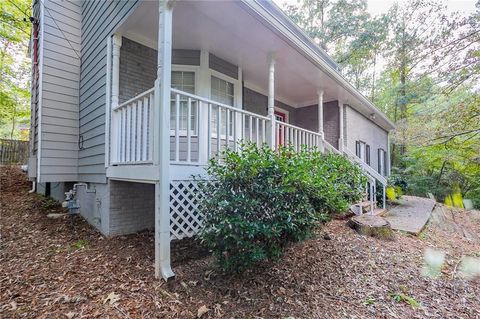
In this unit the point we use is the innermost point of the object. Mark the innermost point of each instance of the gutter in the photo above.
(277, 19)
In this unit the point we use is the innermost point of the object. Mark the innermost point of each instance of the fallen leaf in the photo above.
(202, 310)
(112, 298)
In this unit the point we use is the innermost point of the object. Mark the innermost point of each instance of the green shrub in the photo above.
(258, 200)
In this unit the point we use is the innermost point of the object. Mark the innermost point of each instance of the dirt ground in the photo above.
(58, 268)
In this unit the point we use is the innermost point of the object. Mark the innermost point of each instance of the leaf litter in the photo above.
(62, 268)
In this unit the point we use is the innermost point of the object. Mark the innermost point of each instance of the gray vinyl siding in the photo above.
(60, 91)
(186, 57)
(222, 66)
(100, 18)
(360, 128)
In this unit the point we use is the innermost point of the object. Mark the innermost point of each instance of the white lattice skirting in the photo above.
(185, 219)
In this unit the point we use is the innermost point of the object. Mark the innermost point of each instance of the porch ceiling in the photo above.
(232, 32)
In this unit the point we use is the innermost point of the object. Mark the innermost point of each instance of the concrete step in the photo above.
(362, 207)
(379, 211)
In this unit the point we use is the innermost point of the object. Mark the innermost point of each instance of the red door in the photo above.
(280, 117)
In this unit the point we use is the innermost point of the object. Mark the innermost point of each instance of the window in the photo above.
(362, 150)
(183, 81)
(222, 91)
(382, 162)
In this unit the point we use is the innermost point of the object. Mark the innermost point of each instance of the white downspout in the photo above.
(162, 108)
(34, 187)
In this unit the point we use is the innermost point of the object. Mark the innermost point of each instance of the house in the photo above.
(130, 98)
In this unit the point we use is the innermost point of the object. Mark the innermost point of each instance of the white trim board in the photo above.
(40, 89)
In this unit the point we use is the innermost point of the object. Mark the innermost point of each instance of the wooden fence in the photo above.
(13, 152)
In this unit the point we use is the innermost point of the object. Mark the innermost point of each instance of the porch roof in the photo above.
(246, 33)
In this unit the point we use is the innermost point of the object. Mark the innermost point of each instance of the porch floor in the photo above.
(411, 215)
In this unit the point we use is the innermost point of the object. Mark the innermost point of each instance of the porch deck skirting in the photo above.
(200, 129)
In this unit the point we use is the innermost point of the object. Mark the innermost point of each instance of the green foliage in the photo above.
(427, 83)
(80, 244)
(258, 200)
(14, 68)
(369, 301)
(401, 297)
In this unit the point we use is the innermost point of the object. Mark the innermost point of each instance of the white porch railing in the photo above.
(287, 134)
(214, 128)
(132, 130)
(201, 128)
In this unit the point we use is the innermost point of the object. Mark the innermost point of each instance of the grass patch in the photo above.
(401, 297)
(80, 244)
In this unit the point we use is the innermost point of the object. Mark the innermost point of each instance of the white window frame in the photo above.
(196, 70)
(237, 86)
(287, 113)
(237, 96)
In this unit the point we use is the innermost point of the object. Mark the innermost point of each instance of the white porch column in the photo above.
(271, 101)
(340, 125)
(321, 145)
(114, 87)
(203, 89)
(388, 162)
(162, 142)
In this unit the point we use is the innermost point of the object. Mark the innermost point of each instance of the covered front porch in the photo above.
(188, 81)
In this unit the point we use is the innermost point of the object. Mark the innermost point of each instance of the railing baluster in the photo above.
(177, 127)
(257, 129)
(143, 156)
(244, 129)
(128, 123)
(235, 130)
(134, 132)
(209, 126)
(264, 133)
(250, 128)
(227, 129)
(219, 126)
(189, 137)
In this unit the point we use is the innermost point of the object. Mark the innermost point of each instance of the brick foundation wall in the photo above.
(132, 207)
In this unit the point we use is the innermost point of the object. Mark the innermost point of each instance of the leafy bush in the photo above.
(258, 200)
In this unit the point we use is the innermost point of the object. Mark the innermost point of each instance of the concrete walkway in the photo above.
(411, 214)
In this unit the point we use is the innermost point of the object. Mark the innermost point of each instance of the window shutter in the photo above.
(367, 154)
(357, 148)
(379, 157)
(385, 163)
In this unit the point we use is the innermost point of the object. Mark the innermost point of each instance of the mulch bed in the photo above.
(61, 268)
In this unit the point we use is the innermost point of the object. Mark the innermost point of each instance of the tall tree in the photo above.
(347, 32)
